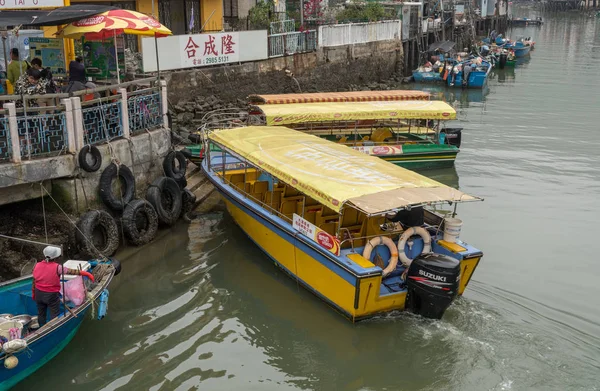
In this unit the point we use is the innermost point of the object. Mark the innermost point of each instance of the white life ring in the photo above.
(377, 241)
(422, 232)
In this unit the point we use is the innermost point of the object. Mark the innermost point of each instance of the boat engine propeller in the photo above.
(432, 284)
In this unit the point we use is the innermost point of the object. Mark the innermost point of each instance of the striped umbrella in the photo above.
(112, 23)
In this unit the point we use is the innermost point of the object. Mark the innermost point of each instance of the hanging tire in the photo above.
(90, 158)
(97, 234)
(172, 170)
(108, 177)
(140, 222)
(165, 196)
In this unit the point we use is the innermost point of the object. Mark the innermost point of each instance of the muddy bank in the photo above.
(187, 115)
(25, 220)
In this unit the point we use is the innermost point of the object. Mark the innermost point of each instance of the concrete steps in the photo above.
(198, 183)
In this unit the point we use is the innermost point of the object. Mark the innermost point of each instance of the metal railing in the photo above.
(284, 26)
(144, 107)
(292, 43)
(5, 150)
(37, 126)
(102, 122)
(354, 33)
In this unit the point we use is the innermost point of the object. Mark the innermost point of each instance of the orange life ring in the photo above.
(383, 240)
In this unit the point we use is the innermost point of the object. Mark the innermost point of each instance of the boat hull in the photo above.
(40, 352)
(427, 77)
(352, 290)
(521, 51)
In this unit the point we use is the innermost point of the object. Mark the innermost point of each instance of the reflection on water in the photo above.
(203, 308)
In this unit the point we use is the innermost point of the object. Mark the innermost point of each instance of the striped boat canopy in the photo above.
(333, 174)
(298, 113)
(352, 96)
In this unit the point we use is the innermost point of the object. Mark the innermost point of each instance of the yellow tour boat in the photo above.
(360, 233)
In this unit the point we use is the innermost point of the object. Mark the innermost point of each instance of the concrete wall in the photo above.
(143, 154)
(328, 69)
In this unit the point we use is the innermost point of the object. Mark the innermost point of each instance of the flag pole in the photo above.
(116, 56)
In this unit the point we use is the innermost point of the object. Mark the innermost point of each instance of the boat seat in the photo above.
(288, 208)
(259, 188)
(273, 199)
(381, 134)
(331, 227)
(310, 217)
(289, 191)
(243, 186)
(320, 219)
(236, 178)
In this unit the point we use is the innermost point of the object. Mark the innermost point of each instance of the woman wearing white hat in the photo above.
(46, 283)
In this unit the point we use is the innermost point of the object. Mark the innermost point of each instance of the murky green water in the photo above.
(202, 308)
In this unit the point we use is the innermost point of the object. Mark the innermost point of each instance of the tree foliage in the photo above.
(260, 16)
(370, 12)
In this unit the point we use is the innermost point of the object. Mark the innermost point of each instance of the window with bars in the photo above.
(180, 16)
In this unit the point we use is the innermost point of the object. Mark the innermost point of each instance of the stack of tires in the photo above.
(166, 198)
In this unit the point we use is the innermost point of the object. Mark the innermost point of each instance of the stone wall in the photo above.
(194, 92)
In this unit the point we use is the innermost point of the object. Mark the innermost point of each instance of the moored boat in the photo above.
(330, 217)
(472, 73)
(406, 133)
(29, 346)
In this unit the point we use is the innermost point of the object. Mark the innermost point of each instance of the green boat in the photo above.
(407, 133)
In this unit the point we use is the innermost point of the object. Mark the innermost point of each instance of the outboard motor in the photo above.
(432, 284)
(453, 136)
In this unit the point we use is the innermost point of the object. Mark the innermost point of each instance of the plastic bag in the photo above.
(74, 291)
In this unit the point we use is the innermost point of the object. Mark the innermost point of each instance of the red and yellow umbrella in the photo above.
(112, 23)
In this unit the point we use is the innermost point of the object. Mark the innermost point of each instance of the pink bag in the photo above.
(74, 290)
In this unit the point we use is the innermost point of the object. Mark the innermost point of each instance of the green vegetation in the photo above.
(261, 15)
(360, 12)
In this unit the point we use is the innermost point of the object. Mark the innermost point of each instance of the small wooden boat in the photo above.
(339, 221)
(526, 21)
(37, 346)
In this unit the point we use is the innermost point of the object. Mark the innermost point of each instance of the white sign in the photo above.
(200, 50)
(24, 4)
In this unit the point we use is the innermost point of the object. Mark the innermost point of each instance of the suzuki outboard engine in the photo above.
(432, 284)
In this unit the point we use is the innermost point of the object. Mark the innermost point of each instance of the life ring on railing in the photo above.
(422, 232)
(377, 241)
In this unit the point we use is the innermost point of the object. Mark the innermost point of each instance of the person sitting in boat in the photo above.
(46, 283)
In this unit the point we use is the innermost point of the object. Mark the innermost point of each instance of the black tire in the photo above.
(90, 158)
(110, 173)
(99, 228)
(140, 222)
(165, 196)
(173, 171)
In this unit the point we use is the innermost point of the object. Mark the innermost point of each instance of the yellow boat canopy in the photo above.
(333, 174)
(297, 113)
